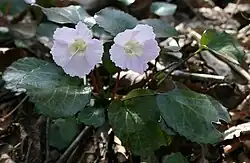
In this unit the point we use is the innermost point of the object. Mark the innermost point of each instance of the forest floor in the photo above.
(23, 131)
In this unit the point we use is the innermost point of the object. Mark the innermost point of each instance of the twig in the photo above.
(28, 152)
(197, 76)
(85, 131)
(236, 67)
(94, 83)
(12, 111)
(169, 72)
(236, 7)
(47, 140)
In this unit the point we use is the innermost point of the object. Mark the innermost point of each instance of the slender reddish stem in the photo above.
(94, 83)
(8, 8)
(116, 85)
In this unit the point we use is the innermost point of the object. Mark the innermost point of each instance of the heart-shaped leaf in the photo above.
(223, 44)
(71, 14)
(146, 140)
(134, 121)
(163, 8)
(115, 21)
(175, 158)
(62, 132)
(161, 28)
(191, 114)
(54, 93)
(92, 116)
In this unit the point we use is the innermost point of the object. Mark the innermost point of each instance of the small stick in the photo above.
(47, 140)
(74, 144)
(197, 76)
(28, 152)
(94, 83)
(12, 111)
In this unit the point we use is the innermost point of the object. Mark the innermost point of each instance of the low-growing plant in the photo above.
(70, 90)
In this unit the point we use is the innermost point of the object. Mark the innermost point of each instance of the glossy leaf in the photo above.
(46, 29)
(134, 121)
(62, 132)
(138, 93)
(223, 44)
(191, 114)
(45, 33)
(115, 21)
(54, 93)
(146, 140)
(161, 28)
(4, 34)
(92, 116)
(175, 158)
(100, 33)
(70, 14)
(163, 8)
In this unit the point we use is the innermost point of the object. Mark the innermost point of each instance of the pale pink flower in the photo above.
(134, 48)
(75, 50)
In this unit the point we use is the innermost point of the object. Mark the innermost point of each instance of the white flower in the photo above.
(75, 50)
(30, 1)
(134, 48)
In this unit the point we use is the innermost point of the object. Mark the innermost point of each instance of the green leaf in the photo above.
(45, 32)
(146, 140)
(127, 2)
(115, 21)
(161, 28)
(62, 132)
(223, 44)
(16, 6)
(92, 116)
(54, 93)
(138, 92)
(46, 29)
(175, 158)
(127, 116)
(107, 63)
(71, 14)
(134, 121)
(163, 8)
(4, 34)
(100, 33)
(191, 114)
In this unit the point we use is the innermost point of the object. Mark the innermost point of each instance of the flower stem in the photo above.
(94, 83)
(7, 10)
(116, 85)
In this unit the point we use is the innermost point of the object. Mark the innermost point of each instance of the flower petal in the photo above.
(118, 56)
(123, 37)
(83, 31)
(137, 67)
(94, 52)
(151, 51)
(65, 34)
(143, 33)
(78, 66)
(60, 53)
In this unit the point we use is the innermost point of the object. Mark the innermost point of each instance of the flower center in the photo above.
(78, 47)
(133, 48)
